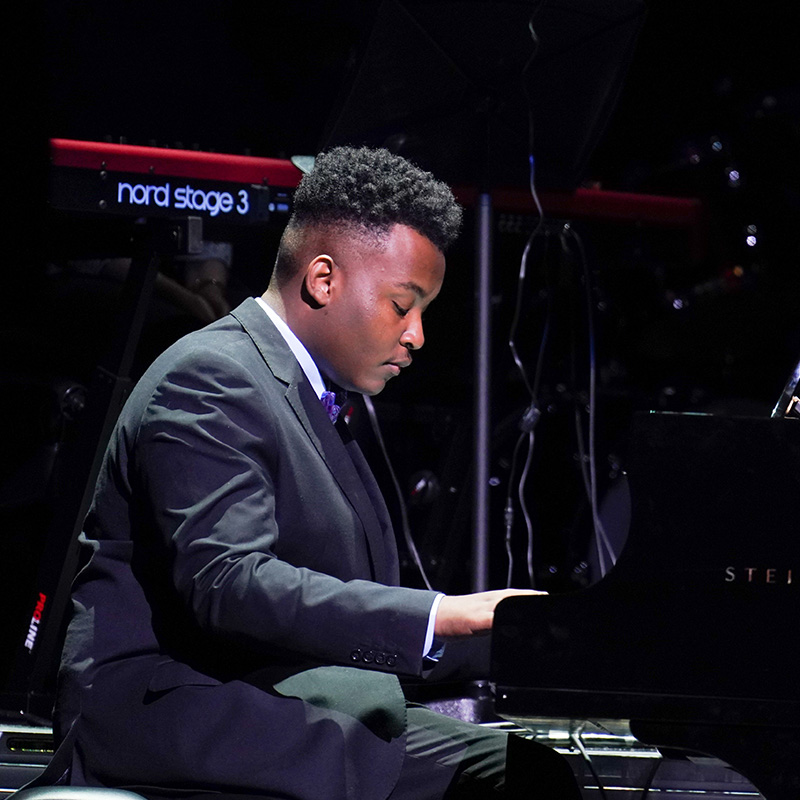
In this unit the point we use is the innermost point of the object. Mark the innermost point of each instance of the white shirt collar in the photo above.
(296, 346)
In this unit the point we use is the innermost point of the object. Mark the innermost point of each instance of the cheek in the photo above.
(366, 320)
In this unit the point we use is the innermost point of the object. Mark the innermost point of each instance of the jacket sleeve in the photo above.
(215, 456)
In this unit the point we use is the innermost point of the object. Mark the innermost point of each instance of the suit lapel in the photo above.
(385, 563)
(348, 469)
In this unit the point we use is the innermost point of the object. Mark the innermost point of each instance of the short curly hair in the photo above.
(374, 189)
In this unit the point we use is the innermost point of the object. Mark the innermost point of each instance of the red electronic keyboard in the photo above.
(134, 181)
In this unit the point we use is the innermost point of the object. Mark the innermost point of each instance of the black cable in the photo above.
(590, 480)
(531, 416)
(508, 513)
(409, 539)
(648, 784)
(540, 222)
(532, 413)
(576, 740)
(521, 275)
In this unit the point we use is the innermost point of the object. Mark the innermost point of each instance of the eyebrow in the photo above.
(412, 287)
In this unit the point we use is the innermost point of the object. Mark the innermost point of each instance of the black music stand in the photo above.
(450, 84)
(453, 86)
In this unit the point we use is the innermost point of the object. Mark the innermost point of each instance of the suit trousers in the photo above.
(450, 759)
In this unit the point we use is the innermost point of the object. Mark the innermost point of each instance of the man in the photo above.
(238, 626)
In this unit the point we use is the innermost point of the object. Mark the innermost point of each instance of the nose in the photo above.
(413, 337)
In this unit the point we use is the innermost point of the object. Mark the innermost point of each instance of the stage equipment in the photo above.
(132, 181)
(479, 92)
(689, 637)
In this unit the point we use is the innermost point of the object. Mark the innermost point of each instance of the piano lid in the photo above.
(697, 619)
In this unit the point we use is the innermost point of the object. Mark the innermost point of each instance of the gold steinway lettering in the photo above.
(772, 576)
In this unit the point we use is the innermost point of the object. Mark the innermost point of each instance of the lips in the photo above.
(396, 366)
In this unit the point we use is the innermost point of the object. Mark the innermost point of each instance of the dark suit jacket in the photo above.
(237, 625)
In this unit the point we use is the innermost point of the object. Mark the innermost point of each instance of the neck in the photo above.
(273, 298)
(286, 303)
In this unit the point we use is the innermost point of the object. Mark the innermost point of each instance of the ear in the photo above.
(319, 279)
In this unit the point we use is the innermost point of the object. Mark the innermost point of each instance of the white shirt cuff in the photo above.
(426, 651)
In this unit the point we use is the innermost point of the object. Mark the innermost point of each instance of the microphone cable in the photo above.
(590, 476)
(407, 536)
(532, 413)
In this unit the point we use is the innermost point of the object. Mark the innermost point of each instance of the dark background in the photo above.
(711, 88)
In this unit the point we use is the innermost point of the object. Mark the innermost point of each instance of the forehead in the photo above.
(403, 259)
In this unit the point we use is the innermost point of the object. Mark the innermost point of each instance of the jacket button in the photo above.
(391, 660)
(380, 658)
(368, 657)
(355, 655)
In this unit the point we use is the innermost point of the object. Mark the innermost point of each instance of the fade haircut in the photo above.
(366, 192)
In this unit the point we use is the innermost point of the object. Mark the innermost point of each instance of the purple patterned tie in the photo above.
(329, 401)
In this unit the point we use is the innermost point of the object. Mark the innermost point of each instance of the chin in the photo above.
(371, 391)
(372, 388)
(366, 384)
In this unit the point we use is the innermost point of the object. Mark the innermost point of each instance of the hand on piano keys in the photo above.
(464, 615)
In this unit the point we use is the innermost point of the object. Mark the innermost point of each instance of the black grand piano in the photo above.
(692, 637)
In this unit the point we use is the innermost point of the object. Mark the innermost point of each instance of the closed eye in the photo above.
(399, 309)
